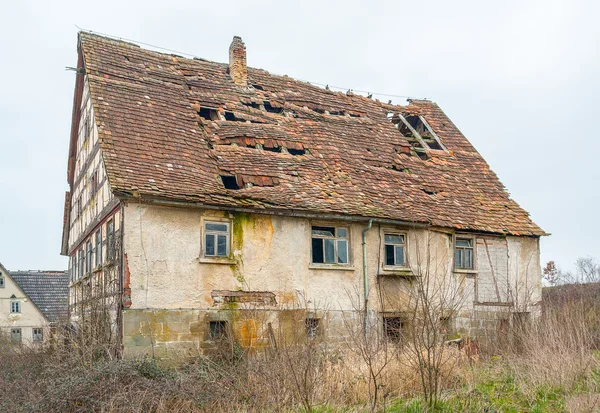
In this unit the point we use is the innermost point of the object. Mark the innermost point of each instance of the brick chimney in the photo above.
(237, 62)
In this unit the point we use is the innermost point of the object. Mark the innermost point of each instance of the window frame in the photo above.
(14, 331)
(313, 332)
(111, 249)
(336, 240)
(219, 259)
(403, 234)
(386, 326)
(15, 306)
(37, 337)
(2, 281)
(473, 248)
(98, 248)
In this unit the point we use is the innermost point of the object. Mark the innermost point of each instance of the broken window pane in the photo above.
(323, 231)
(317, 250)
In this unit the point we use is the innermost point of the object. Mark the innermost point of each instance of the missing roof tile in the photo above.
(296, 152)
(258, 87)
(208, 114)
(230, 182)
(272, 149)
(271, 109)
(251, 104)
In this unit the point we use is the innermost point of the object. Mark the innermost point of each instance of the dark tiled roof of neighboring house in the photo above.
(49, 291)
(171, 128)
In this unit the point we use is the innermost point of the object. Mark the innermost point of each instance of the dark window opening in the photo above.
(229, 182)
(393, 327)
(217, 330)
(1, 282)
(312, 328)
(296, 152)
(208, 114)
(269, 108)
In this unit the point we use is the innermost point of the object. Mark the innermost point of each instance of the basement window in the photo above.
(329, 245)
(216, 239)
(312, 326)
(395, 250)
(463, 253)
(393, 328)
(217, 330)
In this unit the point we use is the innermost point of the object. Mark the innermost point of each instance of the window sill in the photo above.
(465, 271)
(216, 260)
(397, 272)
(335, 267)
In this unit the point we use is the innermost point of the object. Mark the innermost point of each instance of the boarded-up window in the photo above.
(492, 270)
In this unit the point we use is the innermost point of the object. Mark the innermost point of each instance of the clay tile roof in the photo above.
(169, 127)
(49, 291)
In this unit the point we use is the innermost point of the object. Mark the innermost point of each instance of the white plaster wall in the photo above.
(30, 316)
(163, 246)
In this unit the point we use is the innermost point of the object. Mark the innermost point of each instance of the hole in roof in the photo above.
(337, 113)
(354, 115)
(229, 182)
(127, 58)
(269, 108)
(434, 145)
(252, 105)
(258, 87)
(401, 169)
(430, 192)
(208, 114)
(273, 149)
(423, 156)
(319, 110)
(296, 152)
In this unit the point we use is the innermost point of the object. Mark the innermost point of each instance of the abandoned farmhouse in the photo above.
(32, 304)
(214, 198)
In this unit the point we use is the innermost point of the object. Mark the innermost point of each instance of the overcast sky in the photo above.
(520, 79)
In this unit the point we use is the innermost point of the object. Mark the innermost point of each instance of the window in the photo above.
(463, 253)
(395, 249)
(38, 334)
(312, 328)
(98, 256)
(15, 335)
(1, 282)
(88, 257)
(93, 183)
(15, 306)
(217, 330)
(110, 240)
(80, 266)
(329, 245)
(216, 239)
(392, 327)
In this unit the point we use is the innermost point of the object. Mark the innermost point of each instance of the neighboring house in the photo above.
(31, 303)
(198, 187)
